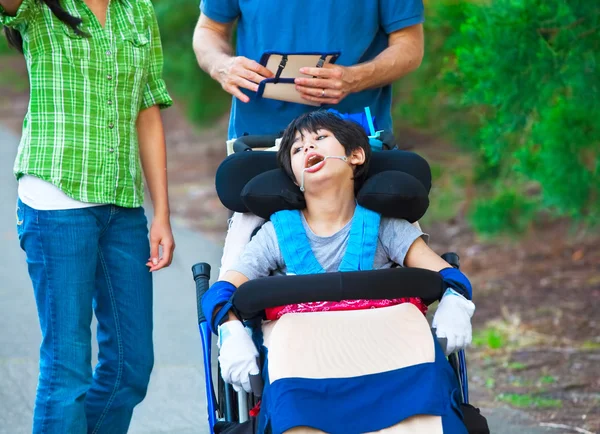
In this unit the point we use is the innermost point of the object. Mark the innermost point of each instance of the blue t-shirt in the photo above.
(358, 29)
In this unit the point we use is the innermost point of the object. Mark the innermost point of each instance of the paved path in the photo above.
(175, 402)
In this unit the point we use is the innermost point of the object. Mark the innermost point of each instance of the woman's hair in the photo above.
(15, 39)
(350, 135)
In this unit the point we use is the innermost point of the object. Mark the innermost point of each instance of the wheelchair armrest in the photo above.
(254, 296)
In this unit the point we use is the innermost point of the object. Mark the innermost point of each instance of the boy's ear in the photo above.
(357, 157)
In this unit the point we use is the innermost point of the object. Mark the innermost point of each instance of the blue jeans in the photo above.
(79, 260)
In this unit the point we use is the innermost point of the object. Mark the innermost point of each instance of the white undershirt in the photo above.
(44, 196)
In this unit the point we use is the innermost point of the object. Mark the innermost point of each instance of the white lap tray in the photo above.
(352, 343)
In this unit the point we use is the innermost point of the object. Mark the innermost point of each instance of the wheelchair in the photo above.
(248, 180)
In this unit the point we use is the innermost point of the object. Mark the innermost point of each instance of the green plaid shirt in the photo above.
(86, 92)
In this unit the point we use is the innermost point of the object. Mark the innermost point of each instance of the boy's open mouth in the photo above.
(312, 159)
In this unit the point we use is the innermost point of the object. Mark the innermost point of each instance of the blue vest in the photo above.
(298, 255)
(383, 399)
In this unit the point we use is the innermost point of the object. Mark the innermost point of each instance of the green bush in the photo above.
(4, 48)
(518, 84)
(531, 69)
(423, 98)
(202, 96)
(508, 211)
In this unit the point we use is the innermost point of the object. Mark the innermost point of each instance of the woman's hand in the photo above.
(332, 83)
(160, 235)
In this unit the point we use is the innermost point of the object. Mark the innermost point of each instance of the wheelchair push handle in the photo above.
(256, 382)
(201, 273)
(452, 258)
(248, 143)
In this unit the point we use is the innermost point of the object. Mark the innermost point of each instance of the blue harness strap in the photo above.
(298, 255)
(362, 244)
(427, 388)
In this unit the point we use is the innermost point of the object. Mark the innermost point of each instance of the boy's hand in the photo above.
(237, 355)
(452, 321)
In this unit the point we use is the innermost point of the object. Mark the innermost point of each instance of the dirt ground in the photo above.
(537, 327)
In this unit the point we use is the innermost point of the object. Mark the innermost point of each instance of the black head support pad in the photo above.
(397, 185)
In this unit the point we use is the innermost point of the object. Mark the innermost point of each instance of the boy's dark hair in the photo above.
(350, 134)
(15, 39)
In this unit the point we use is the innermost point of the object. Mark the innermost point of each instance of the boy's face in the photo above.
(308, 153)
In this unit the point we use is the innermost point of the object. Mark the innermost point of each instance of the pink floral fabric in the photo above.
(331, 306)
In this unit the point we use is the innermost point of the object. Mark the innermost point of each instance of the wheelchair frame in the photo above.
(221, 405)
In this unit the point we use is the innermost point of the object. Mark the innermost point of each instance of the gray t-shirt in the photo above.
(262, 255)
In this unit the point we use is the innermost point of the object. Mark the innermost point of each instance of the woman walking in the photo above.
(93, 124)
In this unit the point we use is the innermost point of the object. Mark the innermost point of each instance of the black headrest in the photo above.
(397, 185)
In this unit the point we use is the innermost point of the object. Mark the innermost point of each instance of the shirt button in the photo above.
(109, 102)
(111, 125)
(109, 77)
(111, 150)
(108, 52)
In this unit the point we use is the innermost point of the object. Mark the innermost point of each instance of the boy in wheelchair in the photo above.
(328, 158)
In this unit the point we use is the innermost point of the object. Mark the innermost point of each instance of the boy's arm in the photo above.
(236, 279)
(260, 256)
(420, 255)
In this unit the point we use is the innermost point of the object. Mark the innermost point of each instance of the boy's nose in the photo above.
(308, 147)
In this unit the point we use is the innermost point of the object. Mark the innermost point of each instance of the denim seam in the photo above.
(52, 323)
(119, 344)
(105, 228)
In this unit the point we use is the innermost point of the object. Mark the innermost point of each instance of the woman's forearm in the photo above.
(153, 154)
(11, 6)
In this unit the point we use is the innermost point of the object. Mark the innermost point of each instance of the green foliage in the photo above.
(423, 98)
(14, 80)
(518, 84)
(4, 48)
(530, 68)
(516, 366)
(507, 211)
(490, 338)
(447, 192)
(590, 346)
(203, 97)
(529, 401)
(547, 379)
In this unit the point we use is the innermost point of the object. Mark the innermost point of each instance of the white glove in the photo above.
(237, 355)
(452, 320)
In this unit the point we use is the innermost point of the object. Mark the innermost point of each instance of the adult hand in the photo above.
(452, 320)
(240, 72)
(160, 235)
(237, 355)
(331, 83)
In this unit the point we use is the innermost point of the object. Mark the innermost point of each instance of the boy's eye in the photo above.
(295, 150)
(321, 137)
